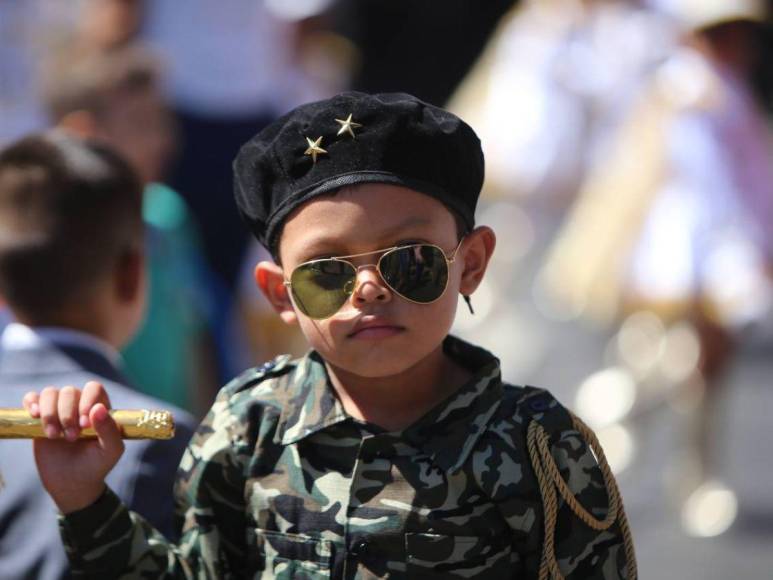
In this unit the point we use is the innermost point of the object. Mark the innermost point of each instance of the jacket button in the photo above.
(372, 454)
(360, 548)
(264, 368)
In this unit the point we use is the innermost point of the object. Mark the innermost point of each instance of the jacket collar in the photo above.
(447, 433)
(18, 336)
(47, 353)
(311, 404)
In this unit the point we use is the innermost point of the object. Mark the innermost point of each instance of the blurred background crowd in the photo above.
(629, 180)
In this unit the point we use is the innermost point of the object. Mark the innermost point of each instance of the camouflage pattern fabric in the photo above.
(279, 482)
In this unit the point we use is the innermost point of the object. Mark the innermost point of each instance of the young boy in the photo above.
(74, 303)
(391, 449)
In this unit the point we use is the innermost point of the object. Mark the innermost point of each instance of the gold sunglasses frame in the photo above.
(345, 259)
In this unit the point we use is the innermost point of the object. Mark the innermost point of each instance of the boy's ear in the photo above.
(271, 281)
(475, 253)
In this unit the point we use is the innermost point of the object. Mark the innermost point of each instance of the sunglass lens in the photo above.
(419, 273)
(321, 288)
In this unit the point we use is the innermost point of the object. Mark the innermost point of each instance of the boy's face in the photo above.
(376, 333)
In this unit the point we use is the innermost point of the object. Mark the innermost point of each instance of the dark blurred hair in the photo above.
(90, 81)
(69, 211)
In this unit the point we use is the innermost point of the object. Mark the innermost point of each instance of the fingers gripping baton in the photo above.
(134, 424)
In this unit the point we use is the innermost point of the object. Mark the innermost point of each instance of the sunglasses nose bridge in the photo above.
(372, 285)
(365, 267)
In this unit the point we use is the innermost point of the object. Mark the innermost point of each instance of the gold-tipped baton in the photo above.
(134, 424)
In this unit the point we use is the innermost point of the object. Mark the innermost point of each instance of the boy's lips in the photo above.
(371, 326)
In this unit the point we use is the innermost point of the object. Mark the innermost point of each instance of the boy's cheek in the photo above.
(314, 331)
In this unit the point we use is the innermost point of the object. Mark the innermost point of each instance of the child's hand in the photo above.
(73, 471)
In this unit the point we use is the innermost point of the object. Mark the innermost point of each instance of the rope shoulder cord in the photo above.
(550, 481)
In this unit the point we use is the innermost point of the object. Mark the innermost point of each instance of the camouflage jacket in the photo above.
(279, 482)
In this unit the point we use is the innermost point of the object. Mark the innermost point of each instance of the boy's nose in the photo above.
(370, 287)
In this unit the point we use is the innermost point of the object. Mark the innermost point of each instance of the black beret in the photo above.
(350, 139)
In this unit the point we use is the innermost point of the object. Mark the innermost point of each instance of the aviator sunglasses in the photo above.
(416, 272)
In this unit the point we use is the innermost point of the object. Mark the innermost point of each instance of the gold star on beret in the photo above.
(314, 149)
(347, 126)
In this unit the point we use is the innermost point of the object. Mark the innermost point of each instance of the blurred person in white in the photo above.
(678, 220)
(547, 97)
(552, 86)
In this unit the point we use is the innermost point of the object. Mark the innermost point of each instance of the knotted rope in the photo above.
(549, 479)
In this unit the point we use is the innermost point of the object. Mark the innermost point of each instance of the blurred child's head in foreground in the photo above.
(71, 236)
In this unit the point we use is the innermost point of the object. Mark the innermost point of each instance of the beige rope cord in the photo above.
(549, 479)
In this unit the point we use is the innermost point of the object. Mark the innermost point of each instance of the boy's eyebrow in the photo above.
(411, 222)
(389, 236)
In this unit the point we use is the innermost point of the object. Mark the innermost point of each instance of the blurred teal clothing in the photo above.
(161, 359)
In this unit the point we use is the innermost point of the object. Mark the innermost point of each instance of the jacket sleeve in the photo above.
(151, 494)
(588, 525)
(524, 490)
(106, 540)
